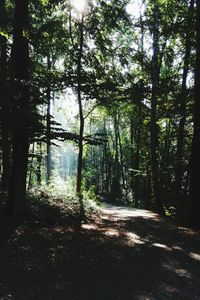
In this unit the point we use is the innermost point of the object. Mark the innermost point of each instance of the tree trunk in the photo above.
(154, 128)
(81, 128)
(121, 159)
(139, 121)
(194, 204)
(137, 158)
(31, 167)
(39, 162)
(182, 114)
(16, 204)
(4, 102)
(116, 186)
(81, 117)
(48, 175)
(132, 183)
(105, 161)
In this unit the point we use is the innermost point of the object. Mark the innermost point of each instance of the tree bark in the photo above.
(48, 175)
(16, 203)
(121, 158)
(31, 168)
(4, 102)
(181, 129)
(116, 184)
(81, 117)
(132, 155)
(137, 158)
(154, 127)
(81, 128)
(194, 204)
(39, 162)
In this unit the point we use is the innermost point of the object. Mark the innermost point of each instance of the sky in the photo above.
(133, 8)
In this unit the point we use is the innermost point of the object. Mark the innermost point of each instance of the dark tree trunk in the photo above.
(81, 128)
(16, 204)
(132, 183)
(137, 158)
(31, 167)
(135, 155)
(4, 102)
(136, 128)
(181, 129)
(139, 121)
(116, 186)
(48, 175)
(121, 159)
(154, 128)
(105, 161)
(107, 168)
(81, 117)
(38, 169)
(194, 204)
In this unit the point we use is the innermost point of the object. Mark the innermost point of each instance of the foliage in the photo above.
(52, 203)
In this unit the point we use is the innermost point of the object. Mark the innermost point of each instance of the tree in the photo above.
(154, 127)
(81, 117)
(194, 204)
(48, 124)
(4, 99)
(16, 204)
(182, 116)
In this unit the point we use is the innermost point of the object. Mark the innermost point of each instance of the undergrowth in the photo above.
(54, 204)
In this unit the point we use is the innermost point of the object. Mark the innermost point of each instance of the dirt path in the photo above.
(124, 254)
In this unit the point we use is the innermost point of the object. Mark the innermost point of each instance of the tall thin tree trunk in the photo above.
(182, 113)
(31, 167)
(81, 117)
(121, 158)
(105, 160)
(48, 124)
(137, 158)
(139, 117)
(4, 101)
(116, 162)
(132, 155)
(107, 168)
(139, 122)
(39, 162)
(136, 154)
(16, 204)
(194, 204)
(81, 120)
(116, 186)
(154, 128)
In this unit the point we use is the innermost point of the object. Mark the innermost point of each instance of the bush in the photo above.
(53, 203)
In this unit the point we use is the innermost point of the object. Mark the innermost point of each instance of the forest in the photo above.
(131, 74)
(99, 103)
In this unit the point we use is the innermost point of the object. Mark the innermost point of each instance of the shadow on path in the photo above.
(124, 254)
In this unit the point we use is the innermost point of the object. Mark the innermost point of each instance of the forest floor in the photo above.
(121, 254)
